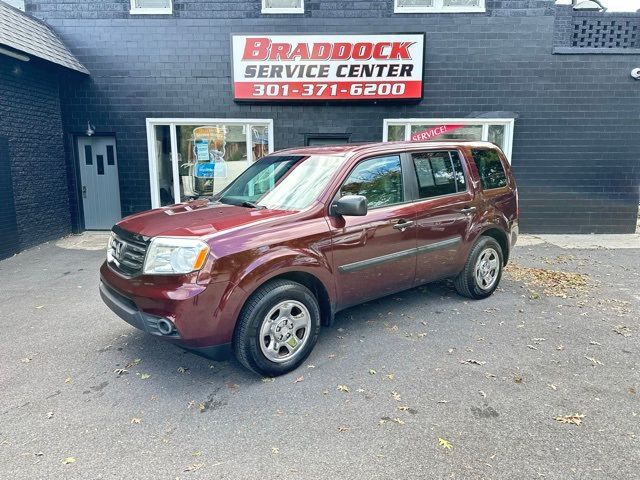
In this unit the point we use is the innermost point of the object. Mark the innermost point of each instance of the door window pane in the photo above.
(395, 133)
(111, 158)
(100, 162)
(436, 174)
(490, 169)
(378, 179)
(164, 167)
(88, 155)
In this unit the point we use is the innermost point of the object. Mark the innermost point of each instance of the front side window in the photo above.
(438, 173)
(282, 6)
(379, 179)
(282, 182)
(490, 169)
(151, 7)
(435, 6)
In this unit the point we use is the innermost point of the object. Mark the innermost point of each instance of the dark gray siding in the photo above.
(30, 120)
(577, 130)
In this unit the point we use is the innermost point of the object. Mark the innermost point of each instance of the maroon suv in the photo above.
(306, 232)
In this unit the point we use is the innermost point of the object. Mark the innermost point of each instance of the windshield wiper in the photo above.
(248, 204)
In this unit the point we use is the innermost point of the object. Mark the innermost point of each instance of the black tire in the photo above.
(247, 338)
(466, 283)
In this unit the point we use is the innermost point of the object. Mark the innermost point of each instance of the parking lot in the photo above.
(541, 380)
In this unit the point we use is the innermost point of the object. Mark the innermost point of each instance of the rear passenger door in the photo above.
(374, 255)
(444, 211)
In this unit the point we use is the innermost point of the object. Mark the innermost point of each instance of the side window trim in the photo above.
(414, 175)
(403, 169)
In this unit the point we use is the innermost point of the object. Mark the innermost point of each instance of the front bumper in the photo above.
(203, 316)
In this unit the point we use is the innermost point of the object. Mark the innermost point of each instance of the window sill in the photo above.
(280, 11)
(440, 10)
(595, 51)
(151, 11)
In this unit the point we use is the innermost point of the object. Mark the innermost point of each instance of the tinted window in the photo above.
(490, 169)
(379, 179)
(439, 173)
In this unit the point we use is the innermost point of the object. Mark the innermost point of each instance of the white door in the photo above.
(99, 176)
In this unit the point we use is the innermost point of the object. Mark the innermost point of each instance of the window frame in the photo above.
(407, 189)
(438, 7)
(173, 123)
(133, 10)
(286, 10)
(508, 123)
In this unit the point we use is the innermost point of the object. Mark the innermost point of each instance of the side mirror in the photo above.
(350, 205)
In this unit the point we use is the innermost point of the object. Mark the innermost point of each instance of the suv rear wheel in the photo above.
(277, 328)
(483, 270)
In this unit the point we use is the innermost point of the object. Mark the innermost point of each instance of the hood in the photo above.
(196, 218)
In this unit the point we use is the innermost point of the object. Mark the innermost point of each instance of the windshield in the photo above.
(282, 182)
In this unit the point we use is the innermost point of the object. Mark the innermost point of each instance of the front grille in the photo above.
(127, 252)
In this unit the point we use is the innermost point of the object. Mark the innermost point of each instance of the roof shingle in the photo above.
(29, 35)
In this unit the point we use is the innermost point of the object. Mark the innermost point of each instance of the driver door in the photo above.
(375, 255)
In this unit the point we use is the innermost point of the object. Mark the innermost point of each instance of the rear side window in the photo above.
(379, 179)
(490, 169)
(438, 173)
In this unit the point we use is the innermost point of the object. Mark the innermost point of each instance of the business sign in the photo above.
(433, 132)
(327, 67)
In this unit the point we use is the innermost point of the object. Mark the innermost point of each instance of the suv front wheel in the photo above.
(277, 328)
(483, 270)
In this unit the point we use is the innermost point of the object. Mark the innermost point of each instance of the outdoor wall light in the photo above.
(12, 54)
(635, 73)
(90, 129)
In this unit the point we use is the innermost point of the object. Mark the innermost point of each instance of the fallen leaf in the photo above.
(275, 450)
(136, 420)
(68, 460)
(182, 370)
(622, 330)
(267, 379)
(403, 408)
(49, 414)
(67, 380)
(391, 376)
(532, 347)
(299, 379)
(482, 394)
(197, 453)
(396, 396)
(311, 366)
(399, 421)
(39, 454)
(594, 361)
(343, 388)
(444, 444)
(552, 386)
(593, 342)
(471, 361)
(144, 376)
(517, 378)
(343, 428)
(193, 467)
(26, 359)
(121, 371)
(560, 348)
(575, 419)
(39, 307)
(372, 371)
(133, 363)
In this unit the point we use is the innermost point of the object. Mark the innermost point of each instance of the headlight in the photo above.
(175, 255)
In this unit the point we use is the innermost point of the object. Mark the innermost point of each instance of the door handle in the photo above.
(468, 210)
(402, 225)
(84, 191)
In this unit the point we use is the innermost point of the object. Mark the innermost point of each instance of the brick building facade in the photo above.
(574, 140)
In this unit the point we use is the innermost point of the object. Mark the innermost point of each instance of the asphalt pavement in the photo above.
(539, 381)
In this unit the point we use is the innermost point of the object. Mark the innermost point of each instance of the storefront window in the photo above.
(208, 156)
(498, 131)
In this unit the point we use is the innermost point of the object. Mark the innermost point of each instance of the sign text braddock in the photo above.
(327, 67)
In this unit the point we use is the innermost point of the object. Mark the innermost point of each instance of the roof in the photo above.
(382, 147)
(29, 35)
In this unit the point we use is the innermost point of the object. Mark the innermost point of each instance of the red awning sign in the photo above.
(433, 132)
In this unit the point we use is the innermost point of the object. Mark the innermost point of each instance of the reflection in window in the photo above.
(378, 179)
(439, 173)
(490, 169)
(164, 168)
(395, 133)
